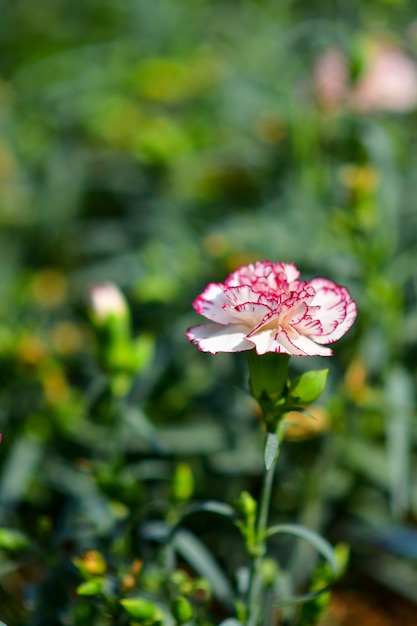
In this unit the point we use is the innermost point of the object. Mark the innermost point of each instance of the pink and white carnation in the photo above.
(264, 306)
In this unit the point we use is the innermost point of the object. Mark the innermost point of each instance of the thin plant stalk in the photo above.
(255, 583)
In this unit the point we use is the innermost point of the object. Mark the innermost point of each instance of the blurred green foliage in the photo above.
(160, 145)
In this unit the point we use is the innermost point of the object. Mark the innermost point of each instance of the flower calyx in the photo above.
(276, 395)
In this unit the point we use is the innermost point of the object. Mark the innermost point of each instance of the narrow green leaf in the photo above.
(18, 471)
(196, 553)
(271, 449)
(212, 506)
(399, 407)
(319, 543)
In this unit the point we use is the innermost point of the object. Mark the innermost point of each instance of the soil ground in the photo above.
(374, 606)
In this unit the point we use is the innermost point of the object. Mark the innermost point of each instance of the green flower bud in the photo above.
(142, 609)
(91, 587)
(182, 610)
(201, 590)
(182, 483)
(307, 388)
(119, 355)
(269, 572)
(13, 540)
(247, 504)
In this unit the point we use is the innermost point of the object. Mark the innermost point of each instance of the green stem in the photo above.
(255, 583)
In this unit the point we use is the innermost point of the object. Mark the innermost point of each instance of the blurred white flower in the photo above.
(105, 301)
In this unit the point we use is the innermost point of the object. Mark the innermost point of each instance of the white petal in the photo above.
(342, 328)
(217, 338)
(337, 310)
(265, 341)
(241, 294)
(252, 314)
(328, 296)
(211, 304)
(291, 272)
(273, 341)
(307, 346)
(296, 313)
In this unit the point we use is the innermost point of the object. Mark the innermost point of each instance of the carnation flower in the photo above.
(388, 81)
(388, 84)
(105, 301)
(263, 306)
(331, 78)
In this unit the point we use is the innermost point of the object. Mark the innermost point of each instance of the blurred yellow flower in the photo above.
(55, 384)
(30, 350)
(49, 288)
(66, 338)
(300, 426)
(91, 563)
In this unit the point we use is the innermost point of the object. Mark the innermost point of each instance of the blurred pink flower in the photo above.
(388, 82)
(331, 78)
(264, 306)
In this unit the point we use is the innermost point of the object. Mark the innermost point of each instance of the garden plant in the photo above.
(233, 473)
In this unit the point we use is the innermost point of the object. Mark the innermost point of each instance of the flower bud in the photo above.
(110, 318)
(307, 388)
(202, 590)
(106, 301)
(183, 483)
(92, 563)
(269, 572)
(92, 587)
(247, 504)
(182, 610)
(182, 581)
(13, 540)
(142, 609)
